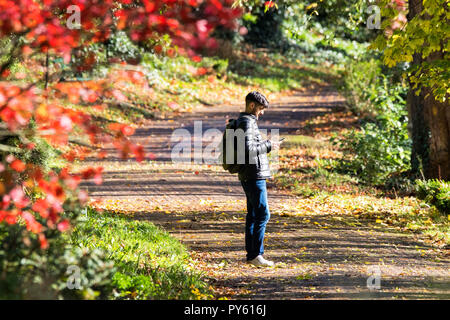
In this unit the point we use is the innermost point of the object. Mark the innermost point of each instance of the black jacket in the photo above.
(256, 149)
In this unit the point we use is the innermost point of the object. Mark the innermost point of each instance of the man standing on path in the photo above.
(253, 175)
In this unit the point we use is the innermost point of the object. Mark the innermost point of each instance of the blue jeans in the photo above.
(258, 215)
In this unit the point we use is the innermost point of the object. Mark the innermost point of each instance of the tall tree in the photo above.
(418, 127)
(429, 118)
(422, 41)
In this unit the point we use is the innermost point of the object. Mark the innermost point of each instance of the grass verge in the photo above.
(149, 263)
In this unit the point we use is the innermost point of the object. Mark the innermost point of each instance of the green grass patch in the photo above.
(274, 73)
(150, 264)
(302, 141)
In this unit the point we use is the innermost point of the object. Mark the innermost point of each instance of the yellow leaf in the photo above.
(312, 5)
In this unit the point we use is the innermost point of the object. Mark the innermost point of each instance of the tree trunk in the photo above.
(419, 133)
(429, 123)
(438, 118)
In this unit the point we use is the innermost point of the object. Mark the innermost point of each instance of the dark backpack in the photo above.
(233, 167)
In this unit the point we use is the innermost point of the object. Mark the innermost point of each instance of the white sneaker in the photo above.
(259, 261)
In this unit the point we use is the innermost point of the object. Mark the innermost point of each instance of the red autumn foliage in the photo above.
(269, 4)
(42, 24)
(17, 165)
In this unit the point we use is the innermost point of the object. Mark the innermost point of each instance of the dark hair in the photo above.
(256, 97)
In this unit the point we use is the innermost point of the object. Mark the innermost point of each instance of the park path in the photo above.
(317, 255)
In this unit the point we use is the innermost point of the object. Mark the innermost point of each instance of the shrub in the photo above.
(120, 46)
(435, 192)
(42, 153)
(376, 152)
(360, 83)
(29, 272)
(382, 147)
(264, 27)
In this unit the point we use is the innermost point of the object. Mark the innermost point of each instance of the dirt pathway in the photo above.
(317, 256)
